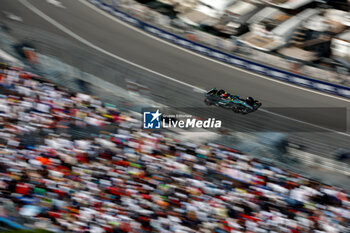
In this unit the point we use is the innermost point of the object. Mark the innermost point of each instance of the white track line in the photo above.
(86, 42)
(91, 45)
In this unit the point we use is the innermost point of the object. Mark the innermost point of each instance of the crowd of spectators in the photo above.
(132, 180)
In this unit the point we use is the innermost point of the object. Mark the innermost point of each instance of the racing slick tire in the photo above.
(235, 110)
(244, 111)
(207, 102)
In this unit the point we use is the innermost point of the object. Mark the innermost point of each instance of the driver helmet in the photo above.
(250, 100)
(225, 95)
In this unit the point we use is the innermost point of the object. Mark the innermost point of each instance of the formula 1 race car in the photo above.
(226, 100)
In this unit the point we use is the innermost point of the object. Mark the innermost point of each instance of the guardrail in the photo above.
(255, 67)
(320, 162)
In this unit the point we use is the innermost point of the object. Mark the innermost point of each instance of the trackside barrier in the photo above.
(320, 162)
(227, 58)
(11, 224)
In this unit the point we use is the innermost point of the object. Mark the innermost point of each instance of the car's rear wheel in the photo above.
(207, 102)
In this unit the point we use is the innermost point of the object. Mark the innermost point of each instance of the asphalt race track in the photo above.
(118, 39)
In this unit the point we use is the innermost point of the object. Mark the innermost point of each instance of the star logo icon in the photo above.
(151, 120)
(155, 115)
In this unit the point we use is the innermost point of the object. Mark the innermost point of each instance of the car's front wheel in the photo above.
(244, 111)
(235, 109)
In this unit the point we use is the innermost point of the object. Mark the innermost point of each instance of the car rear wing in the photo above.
(212, 91)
